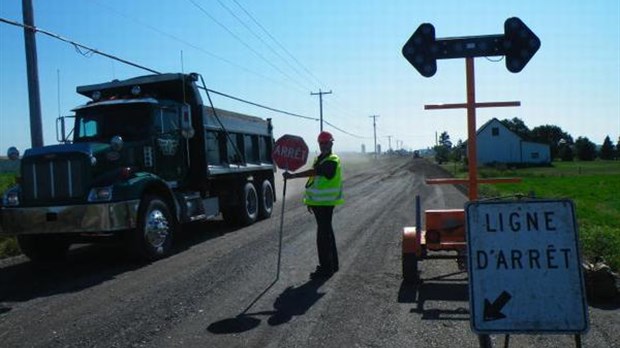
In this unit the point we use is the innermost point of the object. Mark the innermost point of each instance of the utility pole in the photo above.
(374, 126)
(36, 128)
(389, 142)
(320, 94)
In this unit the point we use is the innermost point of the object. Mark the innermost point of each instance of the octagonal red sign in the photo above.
(290, 152)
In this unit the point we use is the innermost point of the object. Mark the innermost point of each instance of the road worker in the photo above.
(323, 193)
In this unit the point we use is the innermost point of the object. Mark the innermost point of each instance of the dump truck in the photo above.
(140, 159)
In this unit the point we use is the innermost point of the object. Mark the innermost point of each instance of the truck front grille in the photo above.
(53, 179)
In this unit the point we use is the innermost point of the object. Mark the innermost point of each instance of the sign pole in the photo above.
(281, 228)
(471, 129)
(290, 152)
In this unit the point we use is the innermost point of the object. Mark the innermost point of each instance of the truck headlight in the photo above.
(99, 194)
(11, 197)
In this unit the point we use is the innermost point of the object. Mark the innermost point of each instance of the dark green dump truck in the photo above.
(142, 157)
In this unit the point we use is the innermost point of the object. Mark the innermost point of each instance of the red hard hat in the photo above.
(325, 137)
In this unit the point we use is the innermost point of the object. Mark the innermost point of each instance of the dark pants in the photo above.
(325, 241)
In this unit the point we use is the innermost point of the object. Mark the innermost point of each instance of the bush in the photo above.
(8, 247)
(601, 241)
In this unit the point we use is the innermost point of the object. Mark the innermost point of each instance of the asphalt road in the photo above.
(218, 289)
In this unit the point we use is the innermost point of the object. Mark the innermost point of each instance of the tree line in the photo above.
(561, 144)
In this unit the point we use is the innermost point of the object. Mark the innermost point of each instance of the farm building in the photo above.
(498, 144)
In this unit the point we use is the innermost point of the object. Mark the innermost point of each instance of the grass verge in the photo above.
(593, 187)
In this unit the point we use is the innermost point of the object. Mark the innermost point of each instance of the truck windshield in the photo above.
(130, 121)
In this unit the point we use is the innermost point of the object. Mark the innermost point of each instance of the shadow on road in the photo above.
(87, 266)
(293, 301)
(442, 288)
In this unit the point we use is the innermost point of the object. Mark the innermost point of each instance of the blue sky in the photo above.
(352, 48)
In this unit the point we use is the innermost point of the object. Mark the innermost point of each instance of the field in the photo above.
(593, 186)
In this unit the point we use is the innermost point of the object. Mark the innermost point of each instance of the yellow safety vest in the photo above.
(323, 191)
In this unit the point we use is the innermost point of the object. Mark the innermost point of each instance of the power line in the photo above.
(344, 131)
(259, 105)
(77, 45)
(278, 43)
(258, 54)
(95, 51)
(189, 44)
(232, 13)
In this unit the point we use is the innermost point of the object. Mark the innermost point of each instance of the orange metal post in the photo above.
(472, 181)
(471, 129)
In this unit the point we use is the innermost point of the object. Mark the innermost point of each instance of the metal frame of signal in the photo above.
(472, 181)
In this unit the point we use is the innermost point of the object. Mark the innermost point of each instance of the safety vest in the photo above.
(323, 191)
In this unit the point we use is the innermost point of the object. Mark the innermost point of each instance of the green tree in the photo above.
(457, 151)
(585, 149)
(565, 151)
(607, 150)
(517, 126)
(444, 140)
(618, 149)
(551, 135)
(442, 150)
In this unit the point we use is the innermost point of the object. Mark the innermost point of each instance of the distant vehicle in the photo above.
(146, 156)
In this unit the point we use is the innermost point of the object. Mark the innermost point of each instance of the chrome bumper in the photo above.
(87, 218)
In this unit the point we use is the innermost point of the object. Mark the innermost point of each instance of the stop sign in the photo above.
(290, 152)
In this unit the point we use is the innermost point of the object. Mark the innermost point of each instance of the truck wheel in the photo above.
(152, 239)
(248, 209)
(266, 200)
(410, 268)
(44, 248)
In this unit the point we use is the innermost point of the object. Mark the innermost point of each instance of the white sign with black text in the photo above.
(525, 267)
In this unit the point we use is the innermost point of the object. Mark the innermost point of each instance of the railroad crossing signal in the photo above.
(518, 44)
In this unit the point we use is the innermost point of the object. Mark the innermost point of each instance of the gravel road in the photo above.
(218, 289)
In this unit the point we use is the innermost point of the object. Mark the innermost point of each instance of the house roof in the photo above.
(489, 122)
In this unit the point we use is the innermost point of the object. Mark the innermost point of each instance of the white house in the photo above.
(495, 143)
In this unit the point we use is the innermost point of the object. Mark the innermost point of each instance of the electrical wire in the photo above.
(278, 42)
(95, 51)
(247, 27)
(258, 54)
(189, 44)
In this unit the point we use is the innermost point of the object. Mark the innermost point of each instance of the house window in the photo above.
(495, 131)
(535, 155)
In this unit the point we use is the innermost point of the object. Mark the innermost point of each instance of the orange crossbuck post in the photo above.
(471, 106)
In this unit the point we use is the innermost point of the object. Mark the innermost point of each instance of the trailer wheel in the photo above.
(44, 248)
(152, 238)
(248, 209)
(266, 200)
(410, 268)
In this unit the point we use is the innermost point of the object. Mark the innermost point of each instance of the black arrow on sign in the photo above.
(518, 44)
(493, 311)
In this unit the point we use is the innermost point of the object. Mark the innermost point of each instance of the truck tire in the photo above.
(152, 238)
(410, 268)
(44, 248)
(248, 207)
(266, 200)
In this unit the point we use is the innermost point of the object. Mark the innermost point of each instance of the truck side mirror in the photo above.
(187, 131)
(61, 134)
